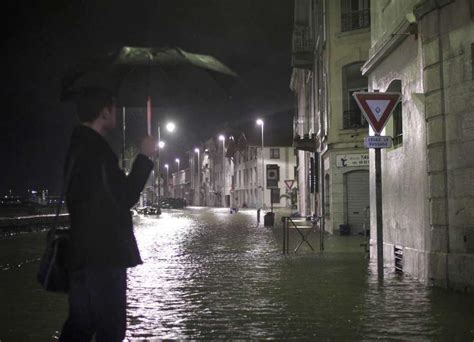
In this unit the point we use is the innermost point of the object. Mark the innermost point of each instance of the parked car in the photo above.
(149, 210)
(173, 203)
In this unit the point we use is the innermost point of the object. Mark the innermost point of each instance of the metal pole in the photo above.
(322, 200)
(223, 174)
(263, 171)
(166, 189)
(199, 180)
(158, 167)
(379, 213)
(123, 139)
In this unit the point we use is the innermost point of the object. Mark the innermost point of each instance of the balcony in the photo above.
(355, 20)
(303, 47)
(305, 143)
(354, 119)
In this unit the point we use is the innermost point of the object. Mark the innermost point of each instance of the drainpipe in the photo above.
(443, 105)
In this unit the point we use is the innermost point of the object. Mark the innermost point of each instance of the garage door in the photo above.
(357, 199)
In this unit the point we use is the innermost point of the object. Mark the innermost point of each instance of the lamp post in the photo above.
(167, 167)
(222, 138)
(170, 127)
(198, 192)
(260, 123)
(177, 177)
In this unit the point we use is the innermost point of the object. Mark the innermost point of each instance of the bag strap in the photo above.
(67, 179)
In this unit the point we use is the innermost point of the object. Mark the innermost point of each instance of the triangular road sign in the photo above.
(377, 107)
(289, 184)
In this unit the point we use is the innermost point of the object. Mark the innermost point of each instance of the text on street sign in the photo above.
(378, 141)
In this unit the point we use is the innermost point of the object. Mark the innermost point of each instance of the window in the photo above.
(327, 197)
(275, 193)
(355, 14)
(397, 115)
(274, 153)
(353, 81)
(472, 55)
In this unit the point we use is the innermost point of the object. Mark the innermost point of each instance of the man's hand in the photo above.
(149, 147)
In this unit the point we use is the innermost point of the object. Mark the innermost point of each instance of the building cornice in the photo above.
(383, 49)
(429, 6)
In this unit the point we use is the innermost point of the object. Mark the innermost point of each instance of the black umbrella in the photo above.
(142, 67)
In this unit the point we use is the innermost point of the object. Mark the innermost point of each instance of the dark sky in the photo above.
(45, 38)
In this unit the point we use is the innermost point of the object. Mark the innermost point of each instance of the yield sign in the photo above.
(377, 107)
(289, 184)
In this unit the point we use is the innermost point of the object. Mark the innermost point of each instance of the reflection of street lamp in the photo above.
(177, 161)
(167, 167)
(222, 138)
(199, 177)
(260, 123)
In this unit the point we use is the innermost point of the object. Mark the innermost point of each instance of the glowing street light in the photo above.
(177, 161)
(170, 127)
(161, 144)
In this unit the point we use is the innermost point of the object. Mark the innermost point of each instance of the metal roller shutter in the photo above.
(357, 199)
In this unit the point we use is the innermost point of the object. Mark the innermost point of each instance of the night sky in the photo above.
(45, 38)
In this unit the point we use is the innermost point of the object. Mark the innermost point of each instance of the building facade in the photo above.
(228, 173)
(331, 42)
(424, 50)
(182, 185)
(278, 166)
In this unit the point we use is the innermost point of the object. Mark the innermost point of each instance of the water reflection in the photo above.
(211, 275)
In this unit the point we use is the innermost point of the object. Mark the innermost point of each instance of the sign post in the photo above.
(377, 108)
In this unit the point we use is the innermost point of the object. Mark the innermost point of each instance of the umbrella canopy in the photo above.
(138, 65)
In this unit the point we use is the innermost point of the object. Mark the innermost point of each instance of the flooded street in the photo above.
(211, 275)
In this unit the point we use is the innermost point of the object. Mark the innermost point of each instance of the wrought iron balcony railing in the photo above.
(305, 143)
(303, 47)
(355, 20)
(354, 119)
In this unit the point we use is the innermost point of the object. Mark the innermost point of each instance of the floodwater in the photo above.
(210, 275)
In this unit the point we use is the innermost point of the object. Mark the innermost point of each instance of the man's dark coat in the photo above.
(99, 198)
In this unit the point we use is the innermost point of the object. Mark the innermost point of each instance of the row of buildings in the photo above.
(227, 171)
(423, 49)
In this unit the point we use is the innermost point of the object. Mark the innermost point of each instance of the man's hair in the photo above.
(91, 101)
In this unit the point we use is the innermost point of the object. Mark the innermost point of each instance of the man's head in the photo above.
(96, 106)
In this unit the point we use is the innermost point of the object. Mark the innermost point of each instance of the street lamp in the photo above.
(199, 177)
(222, 138)
(260, 123)
(167, 167)
(170, 127)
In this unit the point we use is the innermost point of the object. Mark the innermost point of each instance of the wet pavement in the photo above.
(211, 275)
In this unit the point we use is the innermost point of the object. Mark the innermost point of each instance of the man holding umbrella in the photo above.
(99, 197)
